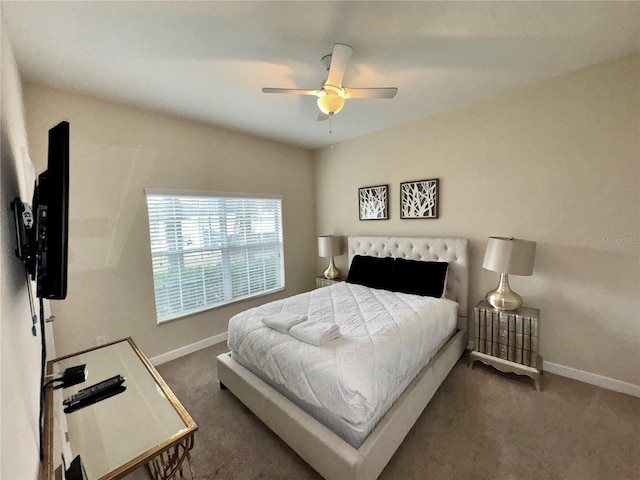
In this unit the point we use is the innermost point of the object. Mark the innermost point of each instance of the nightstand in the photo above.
(325, 282)
(508, 340)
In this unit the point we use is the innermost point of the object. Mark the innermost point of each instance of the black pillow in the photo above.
(419, 278)
(374, 272)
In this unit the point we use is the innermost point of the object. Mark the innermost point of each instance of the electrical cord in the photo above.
(34, 320)
(42, 373)
(34, 317)
(50, 382)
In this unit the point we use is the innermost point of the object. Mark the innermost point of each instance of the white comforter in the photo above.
(386, 339)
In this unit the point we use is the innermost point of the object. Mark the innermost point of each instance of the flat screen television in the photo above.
(51, 201)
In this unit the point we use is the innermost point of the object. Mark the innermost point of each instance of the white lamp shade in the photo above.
(329, 246)
(509, 255)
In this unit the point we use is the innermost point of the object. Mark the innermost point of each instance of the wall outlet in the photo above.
(101, 340)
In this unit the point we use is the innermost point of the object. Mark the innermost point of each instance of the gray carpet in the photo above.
(481, 424)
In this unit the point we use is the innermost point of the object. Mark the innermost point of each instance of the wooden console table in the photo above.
(145, 424)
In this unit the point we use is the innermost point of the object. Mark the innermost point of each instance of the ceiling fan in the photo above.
(332, 94)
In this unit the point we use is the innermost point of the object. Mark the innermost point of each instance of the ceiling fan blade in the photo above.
(387, 92)
(322, 116)
(295, 91)
(339, 61)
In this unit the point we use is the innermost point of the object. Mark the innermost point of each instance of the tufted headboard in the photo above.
(452, 250)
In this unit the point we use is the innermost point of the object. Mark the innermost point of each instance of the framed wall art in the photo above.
(374, 202)
(419, 199)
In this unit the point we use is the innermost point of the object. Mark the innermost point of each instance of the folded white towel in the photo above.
(283, 321)
(315, 333)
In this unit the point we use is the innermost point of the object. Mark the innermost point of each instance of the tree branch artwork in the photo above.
(419, 199)
(374, 202)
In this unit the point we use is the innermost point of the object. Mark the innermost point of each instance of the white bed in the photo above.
(334, 454)
(349, 383)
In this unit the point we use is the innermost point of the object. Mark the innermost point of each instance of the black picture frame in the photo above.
(373, 202)
(420, 199)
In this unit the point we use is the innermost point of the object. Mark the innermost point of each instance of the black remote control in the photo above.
(86, 395)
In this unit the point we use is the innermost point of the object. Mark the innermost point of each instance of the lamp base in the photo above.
(332, 272)
(503, 298)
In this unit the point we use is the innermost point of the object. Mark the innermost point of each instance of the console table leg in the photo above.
(169, 464)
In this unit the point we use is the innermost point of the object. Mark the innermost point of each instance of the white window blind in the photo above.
(212, 250)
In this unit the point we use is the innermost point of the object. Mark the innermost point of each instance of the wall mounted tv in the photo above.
(53, 216)
(43, 240)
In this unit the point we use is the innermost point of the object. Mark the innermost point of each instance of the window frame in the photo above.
(224, 252)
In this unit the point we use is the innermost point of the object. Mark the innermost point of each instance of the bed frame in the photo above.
(327, 453)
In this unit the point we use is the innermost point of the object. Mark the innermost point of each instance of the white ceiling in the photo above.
(209, 60)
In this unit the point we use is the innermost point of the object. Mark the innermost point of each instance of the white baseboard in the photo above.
(581, 375)
(592, 378)
(187, 349)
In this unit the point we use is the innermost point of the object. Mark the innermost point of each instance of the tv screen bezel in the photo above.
(52, 199)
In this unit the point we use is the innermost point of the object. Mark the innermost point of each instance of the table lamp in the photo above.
(329, 246)
(508, 256)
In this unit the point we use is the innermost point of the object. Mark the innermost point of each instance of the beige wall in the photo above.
(19, 350)
(117, 151)
(557, 163)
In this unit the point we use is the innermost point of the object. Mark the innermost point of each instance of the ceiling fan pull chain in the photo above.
(331, 131)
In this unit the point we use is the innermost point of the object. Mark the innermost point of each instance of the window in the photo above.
(212, 249)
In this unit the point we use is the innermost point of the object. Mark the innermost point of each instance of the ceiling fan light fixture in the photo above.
(331, 100)
(332, 94)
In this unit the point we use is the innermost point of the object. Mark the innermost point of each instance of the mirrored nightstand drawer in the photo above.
(325, 282)
(508, 340)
